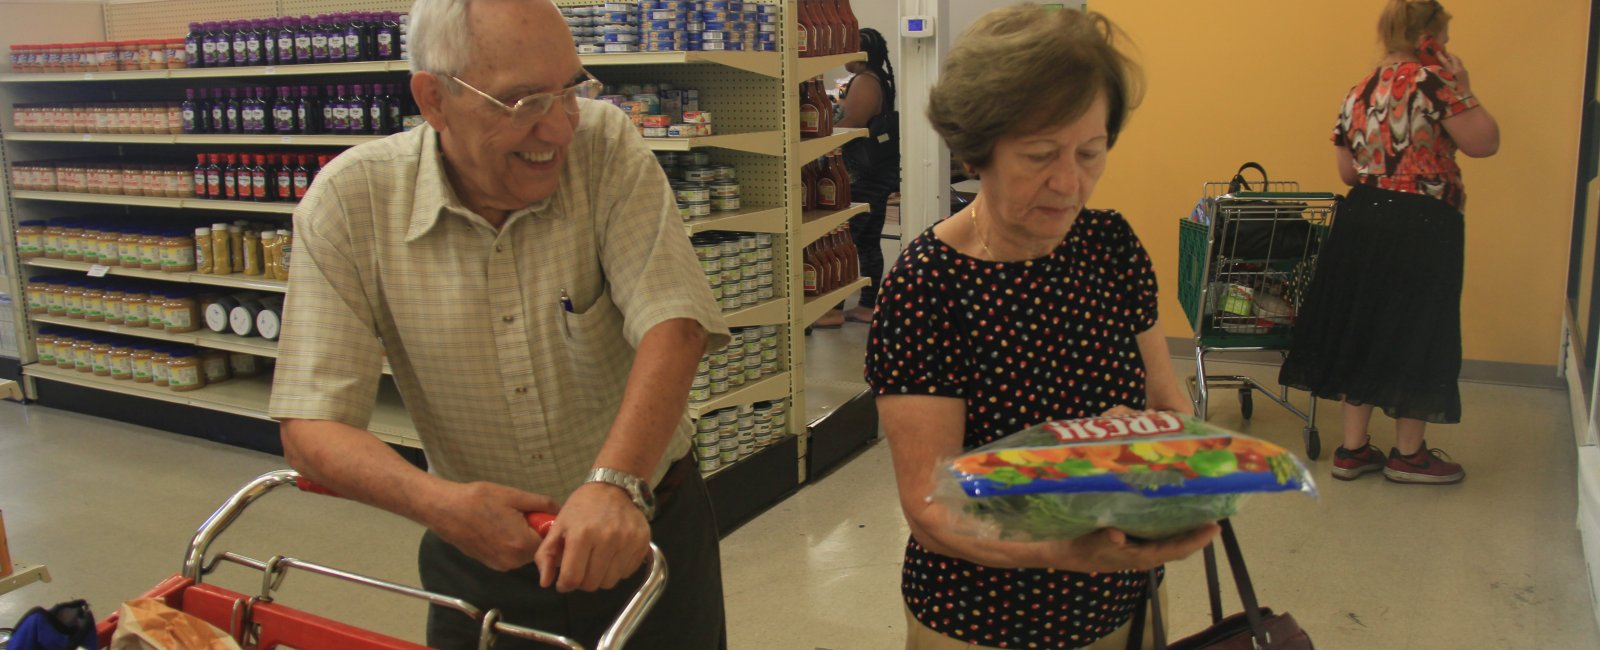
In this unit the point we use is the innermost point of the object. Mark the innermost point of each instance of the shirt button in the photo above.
(522, 390)
(499, 248)
(508, 318)
(537, 456)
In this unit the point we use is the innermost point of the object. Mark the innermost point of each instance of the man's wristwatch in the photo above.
(637, 489)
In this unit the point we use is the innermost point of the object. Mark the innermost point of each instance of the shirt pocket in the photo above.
(598, 355)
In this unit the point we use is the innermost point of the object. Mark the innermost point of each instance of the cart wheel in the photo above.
(1247, 403)
(1313, 443)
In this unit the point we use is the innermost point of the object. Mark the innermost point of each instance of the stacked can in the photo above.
(661, 111)
(767, 23)
(583, 21)
(665, 26)
(725, 436)
(708, 192)
(725, 25)
(751, 355)
(619, 27)
(738, 267)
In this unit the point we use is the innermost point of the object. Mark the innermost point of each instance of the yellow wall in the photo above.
(1262, 80)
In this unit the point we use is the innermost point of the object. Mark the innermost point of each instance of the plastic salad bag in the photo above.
(1152, 475)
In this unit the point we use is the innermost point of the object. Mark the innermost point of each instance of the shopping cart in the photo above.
(257, 622)
(1241, 276)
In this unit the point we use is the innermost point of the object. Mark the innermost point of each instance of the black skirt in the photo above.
(1381, 324)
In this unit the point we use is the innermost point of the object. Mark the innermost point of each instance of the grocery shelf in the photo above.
(753, 219)
(357, 67)
(816, 306)
(286, 140)
(768, 143)
(814, 148)
(771, 312)
(745, 459)
(769, 64)
(816, 223)
(244, 397)
(808, 68)
(101, 199)
(232, 281)
(769, 388)
(157, 202)
(202, 338)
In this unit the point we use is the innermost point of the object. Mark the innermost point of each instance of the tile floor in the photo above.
(1491, 563)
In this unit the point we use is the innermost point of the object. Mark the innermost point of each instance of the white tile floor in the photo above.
(1491, 563)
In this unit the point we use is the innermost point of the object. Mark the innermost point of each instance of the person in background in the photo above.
(519, 261)
(1380, 325)
(1025, 307)
(874, 165)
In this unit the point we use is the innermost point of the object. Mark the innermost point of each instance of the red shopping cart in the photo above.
(257, 622)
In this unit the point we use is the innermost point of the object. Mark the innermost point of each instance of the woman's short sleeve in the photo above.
(1137, 273)
(1442, 92)
(915, 347)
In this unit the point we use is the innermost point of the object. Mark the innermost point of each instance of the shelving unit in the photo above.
(816, 306)
(753, 95)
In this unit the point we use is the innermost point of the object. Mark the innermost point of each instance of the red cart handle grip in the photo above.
(540, 521)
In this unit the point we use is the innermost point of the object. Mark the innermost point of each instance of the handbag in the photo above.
(1254, 628)
(1272, 229)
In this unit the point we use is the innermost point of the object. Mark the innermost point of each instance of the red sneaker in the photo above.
(1351, 464)
(1427, 466)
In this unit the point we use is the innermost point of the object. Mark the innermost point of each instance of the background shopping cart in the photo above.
(1242, 273)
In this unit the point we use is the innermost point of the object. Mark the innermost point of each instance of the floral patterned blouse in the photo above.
(1392, 122)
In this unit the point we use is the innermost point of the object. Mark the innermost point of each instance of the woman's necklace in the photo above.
(984, 241)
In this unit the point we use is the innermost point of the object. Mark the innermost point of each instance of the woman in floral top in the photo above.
(1381, 325)
(1025, 307)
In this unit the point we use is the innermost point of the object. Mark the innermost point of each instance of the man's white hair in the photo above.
(440, 36)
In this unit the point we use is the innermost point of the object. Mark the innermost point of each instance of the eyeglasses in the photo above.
(529, 109)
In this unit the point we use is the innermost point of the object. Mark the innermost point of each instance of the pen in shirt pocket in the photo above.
(566, 301)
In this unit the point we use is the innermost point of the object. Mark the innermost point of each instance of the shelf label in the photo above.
(288, 139)
(88, 137)
(271, 69)
(99, 271)
(88, 76)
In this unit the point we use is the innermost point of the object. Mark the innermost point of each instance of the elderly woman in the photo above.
(1022, 308)
(1381, 325)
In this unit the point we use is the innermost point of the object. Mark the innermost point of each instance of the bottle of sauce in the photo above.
(806, 37)
(811, 271)
(810, 116)
(828, 191)
(852, 27)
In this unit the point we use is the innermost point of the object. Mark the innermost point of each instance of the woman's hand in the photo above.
(1108, 550)
(1457, 69)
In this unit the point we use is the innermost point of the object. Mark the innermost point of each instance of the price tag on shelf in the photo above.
(99, 271)
(88, 137)
(88, 76)
(288, 139)
(271, 69)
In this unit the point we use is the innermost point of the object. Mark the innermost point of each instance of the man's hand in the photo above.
(488, 522)
(1108, 550)
(599, 538)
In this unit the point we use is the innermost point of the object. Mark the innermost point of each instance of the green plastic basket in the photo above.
(1192, 253)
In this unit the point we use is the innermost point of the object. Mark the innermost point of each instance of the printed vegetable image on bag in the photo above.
(1152, 475)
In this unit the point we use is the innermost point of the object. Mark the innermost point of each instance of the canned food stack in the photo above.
(766, 27)
(725, 436)
(661, 111)
(701, 188)
(665, 25)
(751, 356)
(726, 26)
(738, 267)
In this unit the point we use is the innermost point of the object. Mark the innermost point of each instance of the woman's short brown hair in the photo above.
(1024, 69)
(1404, 21)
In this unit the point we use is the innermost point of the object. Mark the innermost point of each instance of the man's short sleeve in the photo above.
(649, 265)
(329, 356)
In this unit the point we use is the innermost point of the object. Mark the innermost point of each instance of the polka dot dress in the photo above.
(1021, 343)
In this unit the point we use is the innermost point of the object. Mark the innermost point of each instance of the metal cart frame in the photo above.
(1216, 278)
(257, 622)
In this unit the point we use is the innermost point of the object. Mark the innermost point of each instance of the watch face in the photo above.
(217, 318)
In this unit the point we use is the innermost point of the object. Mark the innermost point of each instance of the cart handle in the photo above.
(615, 636)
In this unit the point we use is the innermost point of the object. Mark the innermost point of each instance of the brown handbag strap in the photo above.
(1241, 579)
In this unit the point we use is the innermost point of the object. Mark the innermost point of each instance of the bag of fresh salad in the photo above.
(1152, 475)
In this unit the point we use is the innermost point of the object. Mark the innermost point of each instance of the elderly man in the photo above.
(518, 261)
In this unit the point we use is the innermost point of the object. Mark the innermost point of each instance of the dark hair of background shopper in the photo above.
(1024, 307)
(873, 162)
(1381, 323)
